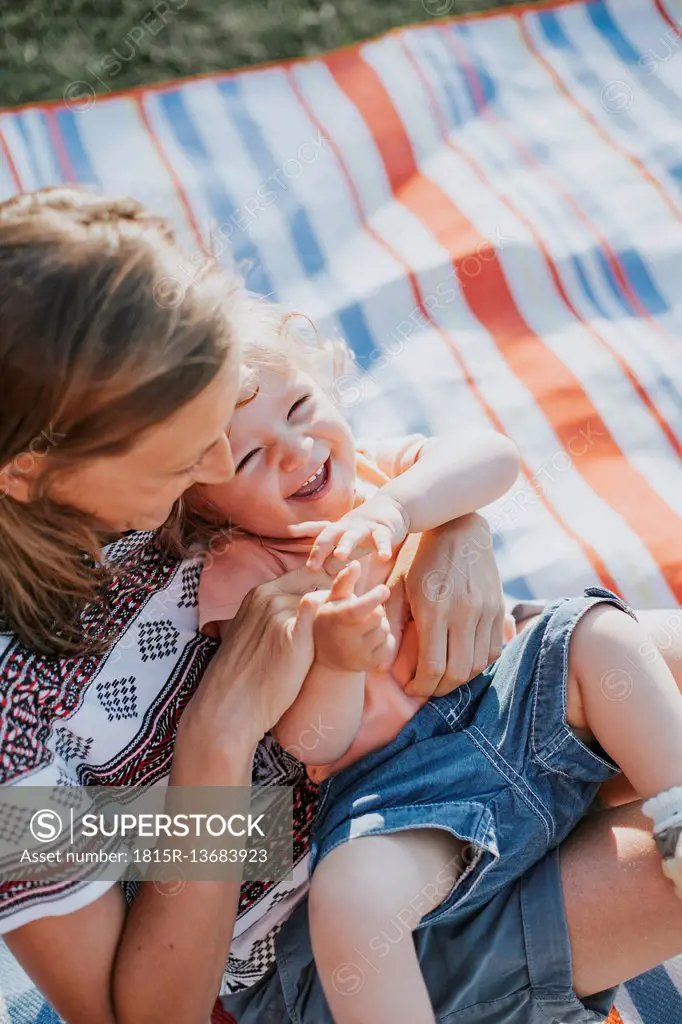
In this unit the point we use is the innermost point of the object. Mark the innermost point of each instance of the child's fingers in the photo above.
(324, 545)
(367, 624)
(383, 542)
(305, 614)
(375, 636)
(376, 620)
(343, 587)
(386, 655)
(383, 644)
(363, 606)
(381, 647)
(351, 538)
(309, 529)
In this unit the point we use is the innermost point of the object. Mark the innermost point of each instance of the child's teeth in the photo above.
(314, 482)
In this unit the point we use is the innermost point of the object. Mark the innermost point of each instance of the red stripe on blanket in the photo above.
(484, 111)
(573, 100)
(660, 7)
(556, 391)
(13, 170)
(169, 169)
(590, 553)
(60, 151)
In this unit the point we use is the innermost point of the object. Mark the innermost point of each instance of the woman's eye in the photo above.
(297, 404)
(190, 469)
(247, 458)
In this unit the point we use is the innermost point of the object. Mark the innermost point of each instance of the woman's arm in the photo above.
(163, 959)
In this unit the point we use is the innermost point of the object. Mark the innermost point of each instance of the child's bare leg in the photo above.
(366, 898)
(622, 692)
(664, 629)
(664, 632)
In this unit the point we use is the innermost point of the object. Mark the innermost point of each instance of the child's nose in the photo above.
(296, 452)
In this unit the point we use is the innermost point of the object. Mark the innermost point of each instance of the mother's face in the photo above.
(136, 490)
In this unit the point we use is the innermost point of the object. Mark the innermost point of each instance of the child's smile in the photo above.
(316, 485)
(294, 456)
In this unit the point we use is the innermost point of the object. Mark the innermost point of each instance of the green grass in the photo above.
(49, 44)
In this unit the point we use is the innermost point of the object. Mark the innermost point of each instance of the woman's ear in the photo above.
(16, 481)
(18, 476)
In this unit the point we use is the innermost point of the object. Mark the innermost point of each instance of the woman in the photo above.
(113, 405)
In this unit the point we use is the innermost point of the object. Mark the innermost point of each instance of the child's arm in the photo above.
(322, 722)
(324, 719)
(451, 477)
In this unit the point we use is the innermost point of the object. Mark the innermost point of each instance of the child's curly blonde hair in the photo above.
(280, 338)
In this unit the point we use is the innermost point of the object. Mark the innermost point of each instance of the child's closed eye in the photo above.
(247, 458)
(297, 405)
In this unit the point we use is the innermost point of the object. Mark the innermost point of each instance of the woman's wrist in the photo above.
(470, 521)
(220, 727)
(204, 757)
(471, 529)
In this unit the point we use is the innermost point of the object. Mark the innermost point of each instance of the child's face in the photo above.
(287, 434)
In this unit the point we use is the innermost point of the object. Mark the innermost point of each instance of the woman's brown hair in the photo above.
(105, 330)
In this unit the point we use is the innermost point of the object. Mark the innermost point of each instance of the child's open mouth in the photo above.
(316, 485)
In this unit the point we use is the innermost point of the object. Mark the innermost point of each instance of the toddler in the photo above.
(426, 808)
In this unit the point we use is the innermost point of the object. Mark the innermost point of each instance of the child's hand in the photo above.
(380, 524)
(352, 633)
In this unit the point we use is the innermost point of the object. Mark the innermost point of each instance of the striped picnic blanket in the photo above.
(489, 210)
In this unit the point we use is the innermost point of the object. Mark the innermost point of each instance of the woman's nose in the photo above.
(295, 452)
(218, 464)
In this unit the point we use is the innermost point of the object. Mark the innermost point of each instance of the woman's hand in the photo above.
(453, 591)
(265, 654)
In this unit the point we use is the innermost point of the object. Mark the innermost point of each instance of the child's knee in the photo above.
(361, 891)
(605, 633)
(605, 646)
(338, 889)
(328, 893)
